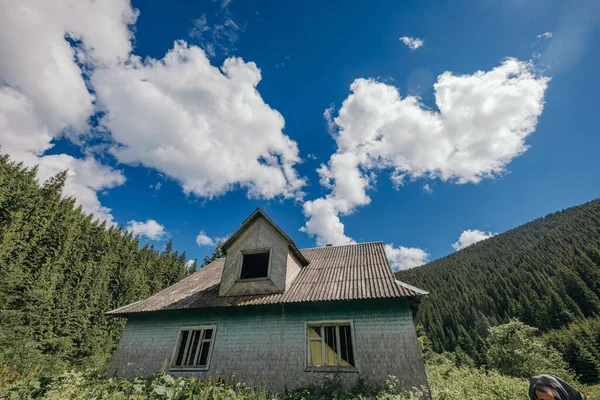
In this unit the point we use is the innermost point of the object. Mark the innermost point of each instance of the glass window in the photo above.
(255, 265)
(193, 348)
(330, 345)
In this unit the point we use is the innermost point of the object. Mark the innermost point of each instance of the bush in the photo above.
(515, 350)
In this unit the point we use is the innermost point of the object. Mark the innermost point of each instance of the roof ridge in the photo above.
(342, 245)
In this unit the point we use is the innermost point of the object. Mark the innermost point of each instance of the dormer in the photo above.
(260, 258)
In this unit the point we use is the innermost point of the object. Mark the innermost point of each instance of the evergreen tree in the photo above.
(61, 271)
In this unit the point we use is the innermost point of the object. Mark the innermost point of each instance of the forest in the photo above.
(61, 271)
(545, 273)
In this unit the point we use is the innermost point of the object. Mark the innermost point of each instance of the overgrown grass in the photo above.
(447, 381)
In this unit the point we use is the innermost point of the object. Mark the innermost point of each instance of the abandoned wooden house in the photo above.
(270, 314)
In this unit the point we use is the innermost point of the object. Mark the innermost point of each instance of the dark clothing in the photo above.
(563, 390)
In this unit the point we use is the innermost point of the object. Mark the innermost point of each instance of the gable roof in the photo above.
(260, 213)
(350, 272)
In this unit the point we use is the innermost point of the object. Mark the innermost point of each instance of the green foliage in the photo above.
(61, 271)
(545, 273)
(449, 382)
(76, 385)
(580, 344)
(515, 350)
(217, 253)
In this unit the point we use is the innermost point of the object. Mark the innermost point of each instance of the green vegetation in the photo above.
(60, 271)
(452, 376)
(545, 273)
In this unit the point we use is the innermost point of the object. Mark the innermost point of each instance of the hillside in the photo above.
(545, 273)
(60, 271)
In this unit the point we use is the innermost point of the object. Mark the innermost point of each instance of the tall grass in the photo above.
(447, 382)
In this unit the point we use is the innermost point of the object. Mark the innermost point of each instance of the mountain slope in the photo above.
(545, 273)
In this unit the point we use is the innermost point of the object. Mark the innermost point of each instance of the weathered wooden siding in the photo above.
(293, 268)
(265, 345)
(259, 235)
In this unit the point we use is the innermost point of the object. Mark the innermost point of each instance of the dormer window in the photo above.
(255, 264)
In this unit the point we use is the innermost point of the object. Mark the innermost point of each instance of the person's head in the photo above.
(545, 392)
(548, 387)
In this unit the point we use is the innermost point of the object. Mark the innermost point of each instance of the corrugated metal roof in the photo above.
(350, 272)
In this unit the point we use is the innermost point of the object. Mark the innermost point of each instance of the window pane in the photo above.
(255, 265)
(346, 346)
(331, 348)
(193, 347)
(203, 359)
(314, 332)
(207, 334)
(182, 342)
(316, 358)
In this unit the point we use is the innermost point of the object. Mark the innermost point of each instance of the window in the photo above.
(194, 348)
(255, 264)
(330, 344)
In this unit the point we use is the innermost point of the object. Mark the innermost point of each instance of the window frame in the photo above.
(329, 368)
(255, 251)
(178, 343)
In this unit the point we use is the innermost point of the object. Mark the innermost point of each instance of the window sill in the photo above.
(253, 279)
(188, 369)
(331, 369)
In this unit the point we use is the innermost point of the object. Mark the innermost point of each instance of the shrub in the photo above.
(515, 350)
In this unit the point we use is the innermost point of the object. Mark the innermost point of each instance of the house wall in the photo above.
(265, 345)
(259, 235)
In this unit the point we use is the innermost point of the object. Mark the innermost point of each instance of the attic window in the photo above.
(255, 264)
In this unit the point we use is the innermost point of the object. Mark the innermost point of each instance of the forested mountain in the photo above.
(545, 273)
(60, 271)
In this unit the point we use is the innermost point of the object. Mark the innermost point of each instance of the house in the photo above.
(270, 314)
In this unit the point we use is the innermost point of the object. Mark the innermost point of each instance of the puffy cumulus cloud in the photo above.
(405, 257)
(482, 123)
(25, 137)
(324, 223)
(412, 43)
(204, 240)
(46, 67)
(470, 237)
(206, 127)
(150, 229)
(43, 94)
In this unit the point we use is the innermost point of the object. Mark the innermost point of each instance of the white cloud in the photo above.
(207, 128)
(482, 123)
(189, 264)
(213, 132)
(427, 188)
(43, 64)
(405, 257)
(25, 137)
(204, 240)
(412, 43)
(150, 229)
(43, 94)
(470, 237)
(545, 35)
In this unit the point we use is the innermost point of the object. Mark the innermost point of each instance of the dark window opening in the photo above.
(193, 348)
(255, 265)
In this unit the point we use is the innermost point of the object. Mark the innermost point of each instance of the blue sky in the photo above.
(512, 136)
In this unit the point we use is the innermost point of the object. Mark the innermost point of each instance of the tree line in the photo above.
(61, 271)
(545, 273)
